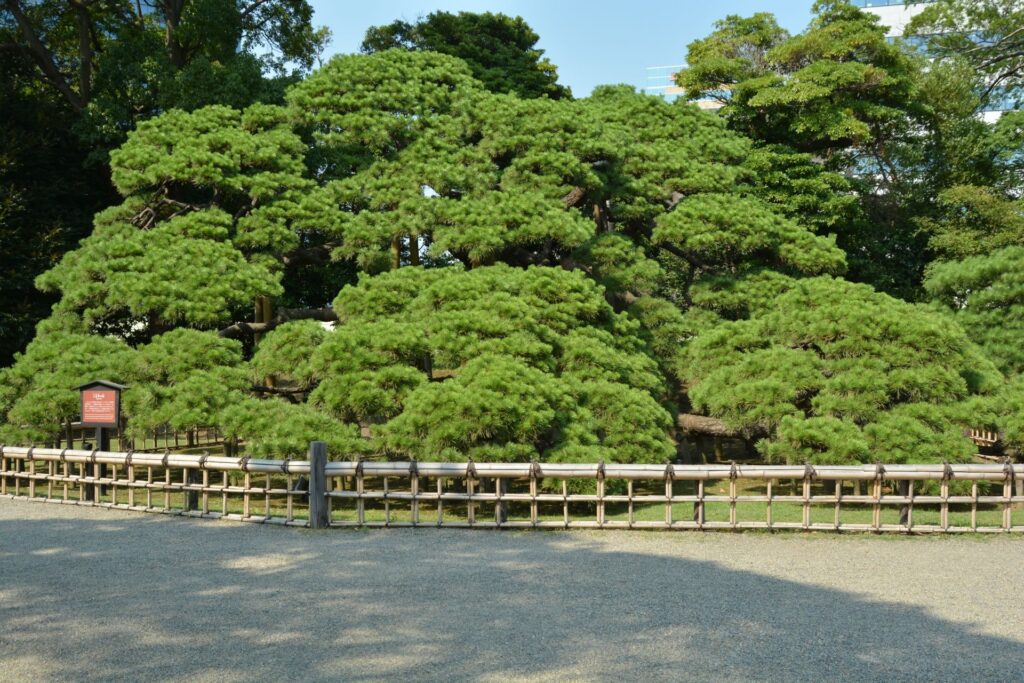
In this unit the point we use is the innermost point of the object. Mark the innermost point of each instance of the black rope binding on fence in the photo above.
(879, 469)
(359, 467)
(414, 470)
(535, 469)
(202, 460)
(470, 470)
(947, 471)
(243, 463)
(60, 458)
(128, 458)
(734, 472)
(284, 465)
(670, 471)
(29, 456)
(1008, 471)
(600, 470)
(809, 471)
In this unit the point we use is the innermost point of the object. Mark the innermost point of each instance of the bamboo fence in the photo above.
(319, 493)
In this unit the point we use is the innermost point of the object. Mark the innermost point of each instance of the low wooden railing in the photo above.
(879, 498)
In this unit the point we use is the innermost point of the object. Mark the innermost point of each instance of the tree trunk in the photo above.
(414, 250)
(172, 19)
(396, 253)
(43, 58)
(83, 20)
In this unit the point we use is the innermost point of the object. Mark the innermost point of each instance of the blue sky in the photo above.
(591, 41)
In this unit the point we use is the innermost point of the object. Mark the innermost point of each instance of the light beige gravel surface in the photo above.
(91, 594)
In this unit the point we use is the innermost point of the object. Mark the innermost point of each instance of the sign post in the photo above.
(101, 408)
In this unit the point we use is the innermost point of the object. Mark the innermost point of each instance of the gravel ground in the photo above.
(91, 594)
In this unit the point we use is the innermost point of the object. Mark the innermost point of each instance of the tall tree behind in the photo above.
(47, 196)
(501, 51)
(842, 93)
(79, 75)
(988, 34)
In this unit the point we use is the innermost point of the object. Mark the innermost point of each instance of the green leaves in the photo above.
(986, 295)
(835, 372)
(501, 50)
(495, 362)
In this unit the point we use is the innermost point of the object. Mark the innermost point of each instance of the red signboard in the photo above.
(101, 404)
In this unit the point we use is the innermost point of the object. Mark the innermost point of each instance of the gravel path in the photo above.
(90, 594)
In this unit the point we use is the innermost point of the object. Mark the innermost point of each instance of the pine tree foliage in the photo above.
(538, 278)
(500, 50)
(837, 373)
(214, 189)
(494, 362)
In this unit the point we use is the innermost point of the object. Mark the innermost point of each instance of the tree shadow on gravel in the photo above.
(138, 597)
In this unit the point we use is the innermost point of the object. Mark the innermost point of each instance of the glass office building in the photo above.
(661, 82)
(895, 14)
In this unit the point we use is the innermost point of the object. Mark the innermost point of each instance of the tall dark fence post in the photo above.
(500, 506)
(193, 476)
(904, 490)
(318, 516)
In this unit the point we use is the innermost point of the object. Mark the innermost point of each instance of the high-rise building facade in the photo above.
(661, 82)
(895, 14)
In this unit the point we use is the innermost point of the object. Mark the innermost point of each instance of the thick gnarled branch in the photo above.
(245, 329)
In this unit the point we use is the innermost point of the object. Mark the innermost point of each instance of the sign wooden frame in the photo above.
(111, 407)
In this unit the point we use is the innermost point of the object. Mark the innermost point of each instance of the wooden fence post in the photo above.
(318, 518)
(500, 506)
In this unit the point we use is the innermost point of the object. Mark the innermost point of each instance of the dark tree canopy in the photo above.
(501, 51)
(77, 76)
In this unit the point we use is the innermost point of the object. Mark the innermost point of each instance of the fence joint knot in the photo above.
(414, 470)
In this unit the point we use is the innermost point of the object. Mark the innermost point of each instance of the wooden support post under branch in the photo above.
(318, 516)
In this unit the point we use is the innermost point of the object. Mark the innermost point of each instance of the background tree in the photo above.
(987, 35)
(843, 94)
(501, 51)
(47, 196)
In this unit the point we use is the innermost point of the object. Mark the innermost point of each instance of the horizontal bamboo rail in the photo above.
(396, 494)
(243, 489)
